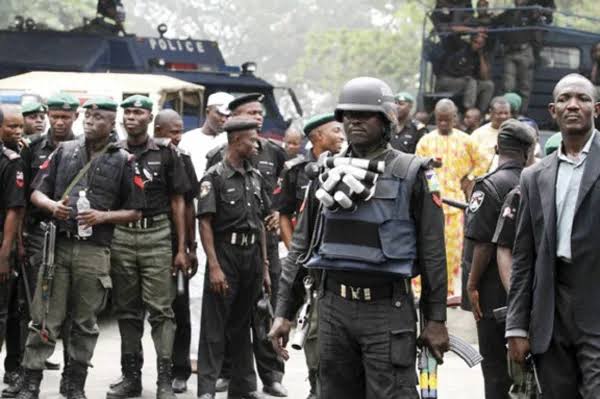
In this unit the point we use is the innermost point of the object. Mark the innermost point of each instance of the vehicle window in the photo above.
(561, 57)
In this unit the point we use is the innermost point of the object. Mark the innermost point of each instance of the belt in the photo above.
(244, 239)
(147, 222)
(72, 236)
(365, 294)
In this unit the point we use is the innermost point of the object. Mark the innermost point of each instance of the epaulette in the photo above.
(297, 160)
(215, 151)
(275, 142)
(183, 152)
(163, 141)
(401, 164)
(419, 125)
(10, 154)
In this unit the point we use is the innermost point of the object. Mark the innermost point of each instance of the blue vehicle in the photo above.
(25, 48)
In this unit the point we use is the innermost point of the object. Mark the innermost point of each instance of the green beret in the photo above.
(137, 101)
(514, 133)
(552, 143)
(239, 123)
(247, 98)
(63, 101)
(104, 103)
(316, 121)
(514, 100)
(32, 107)
(405, 96)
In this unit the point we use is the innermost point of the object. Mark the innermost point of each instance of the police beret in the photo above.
(512, 130)
(63, 101)
(104, 103)
(404, 96)
(553, 143)
(137, 101)
(239, 123)
(514, 100)
(247, 98)
(32, 107)
(316, 121)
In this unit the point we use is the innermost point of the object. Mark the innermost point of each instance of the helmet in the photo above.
(366, 94)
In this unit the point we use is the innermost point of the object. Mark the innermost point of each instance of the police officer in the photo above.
(409, 131)
(367, 329)
(325, 134)
(516, 142)
(169, 125)
(270, 162)
(12, 202)
(81, 275)
(142, 256)
(34, 113)
(233, 202)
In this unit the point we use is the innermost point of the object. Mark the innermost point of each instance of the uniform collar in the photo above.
(150, 145)
(50, 142)
(511, 165)
(229, 170)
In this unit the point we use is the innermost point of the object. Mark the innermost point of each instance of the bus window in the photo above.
(561, 57)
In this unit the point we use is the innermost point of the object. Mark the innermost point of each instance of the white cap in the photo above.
(221, 100)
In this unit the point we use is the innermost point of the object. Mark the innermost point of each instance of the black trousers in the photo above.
(367, 349)
(570, 368)
(492, 346)
(182, 367)
(270, 367)
(227, 319)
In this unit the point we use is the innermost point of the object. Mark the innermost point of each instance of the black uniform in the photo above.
(270, 163)
(12, 195)
(356, 345)
(482, 215)
(290, 193)
(238, 202)
(406, 140)
(181, 306)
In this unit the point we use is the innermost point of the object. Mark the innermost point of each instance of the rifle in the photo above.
(303, 321)
(263, 317)
(47, 273)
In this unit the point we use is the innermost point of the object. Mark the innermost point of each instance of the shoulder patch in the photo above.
(183, 151)
(10, 154)
(420, 125)
(477, 199)
(297, 160)
(205, 188)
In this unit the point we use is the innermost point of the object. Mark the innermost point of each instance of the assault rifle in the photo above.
(303, 321)
(47, 273)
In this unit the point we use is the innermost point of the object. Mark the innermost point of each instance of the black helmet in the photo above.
(366, 94)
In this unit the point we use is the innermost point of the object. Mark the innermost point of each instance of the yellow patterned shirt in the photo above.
(460, 156)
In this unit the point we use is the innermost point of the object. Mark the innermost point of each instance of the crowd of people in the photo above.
(370, 203)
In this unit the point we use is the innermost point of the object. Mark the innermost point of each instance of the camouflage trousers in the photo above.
(141, 271)
(80, 288)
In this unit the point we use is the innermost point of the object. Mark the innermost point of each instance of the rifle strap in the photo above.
(82, 172)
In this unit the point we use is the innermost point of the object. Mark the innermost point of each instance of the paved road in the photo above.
(455, 379)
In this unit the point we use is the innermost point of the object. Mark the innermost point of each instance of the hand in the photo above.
(467, 185)
(474, 299)
(437, 162)
(61, 210)
(23, 142)
(280, 335)
(435, 337)
(518, 348)
(193, 262)
(218, 281)
(272, 221)
(180, 263)
(4, 268)
(267, 280)
(91, 217)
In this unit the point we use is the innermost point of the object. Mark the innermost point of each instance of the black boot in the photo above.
(13, 389)
(31, 384)
(140, 359)
(312, 379)
(164, 390)
(63, 386)
(130, 385)
(77, 376)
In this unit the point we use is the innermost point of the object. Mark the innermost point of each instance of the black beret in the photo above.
(514, 133)
(246, 98)
(240, 123)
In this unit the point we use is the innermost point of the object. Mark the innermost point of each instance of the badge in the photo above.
(278, 188)
(66, 107)
(147, 174)
(508, 213)
(476, 201)
(205, 188)
(20, 180)
(138, 103)
(433, 183)
(137, 179)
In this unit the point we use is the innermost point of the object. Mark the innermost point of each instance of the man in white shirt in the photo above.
(199, 142)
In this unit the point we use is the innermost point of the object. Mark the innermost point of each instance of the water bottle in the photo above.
(83, 205)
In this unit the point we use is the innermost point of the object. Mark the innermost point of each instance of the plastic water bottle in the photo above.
(83, 205)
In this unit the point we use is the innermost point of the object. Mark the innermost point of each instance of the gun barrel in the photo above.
(455, 204)
(300, 336)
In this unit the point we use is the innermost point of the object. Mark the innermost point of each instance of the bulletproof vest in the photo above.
(379, 236)
(102, 181)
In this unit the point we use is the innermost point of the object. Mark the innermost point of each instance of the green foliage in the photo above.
(55, 14)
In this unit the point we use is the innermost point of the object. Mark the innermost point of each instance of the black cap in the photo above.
(247, 98)
(515, 134)
(239, 123)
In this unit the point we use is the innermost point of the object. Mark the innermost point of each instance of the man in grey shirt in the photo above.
(554, 295)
